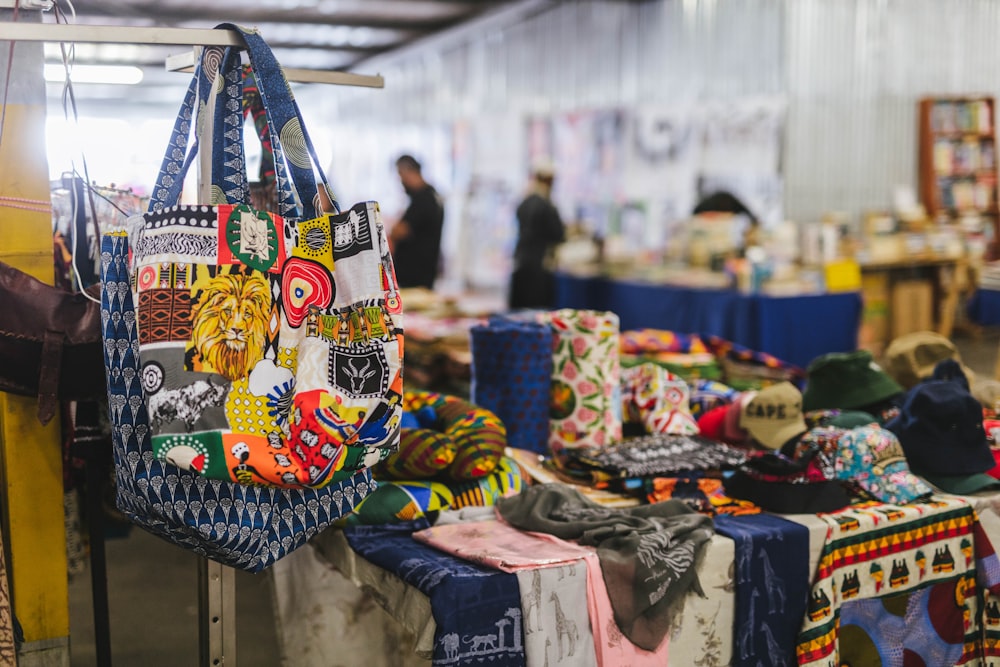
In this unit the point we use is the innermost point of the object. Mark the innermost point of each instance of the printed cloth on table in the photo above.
(877, 550)
(554, 602)
(511, 376)
(647, 553)
(496, 544)
(585, 396)
(933, 624)
(708, 394)
(746, 366)
(641, 341)
(657, 399)
(556, 593)
(477, 610)
(659, 454)
(771, 577)
(396, 501)
(701, 494)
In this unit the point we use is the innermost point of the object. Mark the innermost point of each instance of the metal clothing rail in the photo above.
(108, 34)
(216, 583)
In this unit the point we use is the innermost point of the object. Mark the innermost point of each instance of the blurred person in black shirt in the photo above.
(416, 238)
(540, 230)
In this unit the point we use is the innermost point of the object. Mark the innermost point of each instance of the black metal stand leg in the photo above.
(98, 561)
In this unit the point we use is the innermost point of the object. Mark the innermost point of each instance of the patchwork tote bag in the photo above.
(254, 359)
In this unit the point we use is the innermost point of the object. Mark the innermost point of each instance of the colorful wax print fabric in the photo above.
(701, 494)
(771, 579)
(585, 398)
(477, 609)
(880, 550)
(511, 376)
(657, 399)
(398, 501)
(270, 352)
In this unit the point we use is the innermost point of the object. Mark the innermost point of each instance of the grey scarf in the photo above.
(647, 553)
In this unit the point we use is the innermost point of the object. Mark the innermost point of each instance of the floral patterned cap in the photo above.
(872, 458)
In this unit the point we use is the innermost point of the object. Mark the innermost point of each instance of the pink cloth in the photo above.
(501, 546)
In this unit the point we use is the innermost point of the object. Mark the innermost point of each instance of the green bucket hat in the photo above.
(846, 380)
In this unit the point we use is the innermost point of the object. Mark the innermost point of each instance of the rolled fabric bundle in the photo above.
(511, 375)
(585, 402)
(462, 440)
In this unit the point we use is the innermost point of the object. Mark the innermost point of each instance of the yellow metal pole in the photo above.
(30, 454)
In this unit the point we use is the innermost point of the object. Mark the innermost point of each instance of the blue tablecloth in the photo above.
(984, 307)
(796, 329)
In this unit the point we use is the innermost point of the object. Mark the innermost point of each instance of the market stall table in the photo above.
(796, 329)
(731, 570)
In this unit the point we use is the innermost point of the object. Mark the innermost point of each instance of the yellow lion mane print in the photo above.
(229, 323)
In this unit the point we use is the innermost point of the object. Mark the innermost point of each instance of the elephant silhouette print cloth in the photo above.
(270, 352)
(477, 610)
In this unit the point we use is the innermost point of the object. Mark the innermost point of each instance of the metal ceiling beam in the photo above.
(495, 16)
(250, 16)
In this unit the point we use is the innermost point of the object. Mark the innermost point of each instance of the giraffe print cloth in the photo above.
(771, 578)
(567, 615)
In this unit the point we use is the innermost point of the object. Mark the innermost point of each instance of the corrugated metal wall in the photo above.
(855, 72)
(851, 71)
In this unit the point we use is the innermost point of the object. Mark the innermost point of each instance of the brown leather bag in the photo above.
(50, 342)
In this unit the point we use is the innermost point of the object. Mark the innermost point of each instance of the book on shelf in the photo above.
(969, 117)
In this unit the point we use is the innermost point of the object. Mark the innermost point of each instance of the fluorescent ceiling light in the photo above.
(121, 74)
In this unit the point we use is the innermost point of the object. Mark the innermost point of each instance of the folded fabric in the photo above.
(647, 553)
(511, 376)
(659, 455)
(477, 610)
(396, 501)
(772, 580)
(563, 596)
(748, 369)
(657, 399)
(702, 495)
(709, 394)
(495, 544)
(585, 398)
(640, 341)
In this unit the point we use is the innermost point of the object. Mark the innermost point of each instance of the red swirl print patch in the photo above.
(305, 283)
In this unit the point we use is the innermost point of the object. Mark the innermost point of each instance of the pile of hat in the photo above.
(863, 431)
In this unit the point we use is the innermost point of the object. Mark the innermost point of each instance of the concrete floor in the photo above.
(154, 599)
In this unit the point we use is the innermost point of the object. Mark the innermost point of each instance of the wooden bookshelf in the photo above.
(958, 157)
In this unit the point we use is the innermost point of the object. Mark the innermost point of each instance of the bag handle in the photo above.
(295, 170)
(289, 136)
(179, 154)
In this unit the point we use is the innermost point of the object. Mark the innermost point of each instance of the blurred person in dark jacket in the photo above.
(540, 230)
(416, 237)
